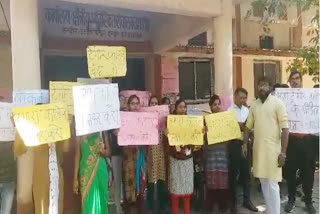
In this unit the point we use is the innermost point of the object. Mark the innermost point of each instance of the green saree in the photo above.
(93, 175)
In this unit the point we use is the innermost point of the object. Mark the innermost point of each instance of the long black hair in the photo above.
(153, 96)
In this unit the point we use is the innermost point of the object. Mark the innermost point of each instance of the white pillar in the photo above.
(223, 50)
(25, 75)
(25, 44)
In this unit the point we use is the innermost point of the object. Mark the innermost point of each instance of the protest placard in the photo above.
(24, 98)
(61, 92)
(96, 108)
(302, 107)
(185, 130)
(138, 128)
(89, 81)
(163, 112)
(7, 132)
(144, 96)
(222, 127)
(42, 124)
(106, 61)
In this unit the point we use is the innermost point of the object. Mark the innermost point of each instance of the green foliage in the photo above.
(307, 61)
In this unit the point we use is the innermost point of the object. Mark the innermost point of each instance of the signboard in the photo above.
(106, 61)
(222, 127)
(42, 124)
(88, 21)
(302, 107)
(7, 132)
(162, 111)
(138, 128)
(96, 108)
(144, 96)
(30, 97)
(185, 130)
(61, 92)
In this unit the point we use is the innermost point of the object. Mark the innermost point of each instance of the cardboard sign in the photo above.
(163, 112)
(138, 128)
(302, 107)
(144, 96)
(222, 127)
(7, 131)
(96, 108)
(30, 97)
(61, 92)
(42, 124)
(105, 61)
(185, 130)
(89, 81)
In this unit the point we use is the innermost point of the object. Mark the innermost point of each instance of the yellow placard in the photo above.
(106, 61)
(42, 124)
(222, 127)
(185, 130)
(61, 92)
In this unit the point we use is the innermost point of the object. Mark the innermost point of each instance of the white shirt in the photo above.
(242, 113)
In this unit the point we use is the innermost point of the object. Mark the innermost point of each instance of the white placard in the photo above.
(302, 107)
(96, 108)
(25, 98)
(89, 81)
(7, 132)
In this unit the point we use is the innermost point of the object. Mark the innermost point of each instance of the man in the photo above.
(238, 163)
(301, 155)
(269, 119)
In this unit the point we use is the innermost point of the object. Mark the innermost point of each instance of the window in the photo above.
(270, 69)
(200, 40)
(195, 79)
(258, 9)
(266, 42)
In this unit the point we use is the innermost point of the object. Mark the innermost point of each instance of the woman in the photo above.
(181, 171)
(134, 169)
(216, 168)
(91, 173)
(156, 170)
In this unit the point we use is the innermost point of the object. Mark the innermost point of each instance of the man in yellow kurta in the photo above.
(269, 119)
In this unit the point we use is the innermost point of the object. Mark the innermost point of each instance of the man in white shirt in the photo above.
(238, 163)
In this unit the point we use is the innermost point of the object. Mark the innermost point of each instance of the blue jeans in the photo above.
(6, 197)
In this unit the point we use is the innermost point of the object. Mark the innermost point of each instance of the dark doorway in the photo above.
(68, 68)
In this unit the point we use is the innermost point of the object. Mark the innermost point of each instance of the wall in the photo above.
(5, 61)
(248, 75)
(200, 8)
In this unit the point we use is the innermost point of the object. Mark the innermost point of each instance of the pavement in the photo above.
(257, 199)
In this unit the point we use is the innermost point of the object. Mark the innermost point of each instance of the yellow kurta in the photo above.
(267, 119)
(41, 179)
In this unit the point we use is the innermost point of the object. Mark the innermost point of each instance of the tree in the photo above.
(307, 61)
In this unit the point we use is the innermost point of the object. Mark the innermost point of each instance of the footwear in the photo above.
(311, 209)
(290, 206)
(249, 205)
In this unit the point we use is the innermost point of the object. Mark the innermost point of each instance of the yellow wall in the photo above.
(248, 75)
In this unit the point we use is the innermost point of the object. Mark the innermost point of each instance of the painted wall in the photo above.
(5, 63)
(200, 8)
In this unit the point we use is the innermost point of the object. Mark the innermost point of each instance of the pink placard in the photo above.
(144, 96)
(170, 86)
(226, 102)
(138, 128)
(163, 112)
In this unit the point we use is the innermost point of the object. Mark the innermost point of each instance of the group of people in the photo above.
(134, 176)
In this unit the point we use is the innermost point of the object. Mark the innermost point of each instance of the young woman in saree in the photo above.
(91, 173)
